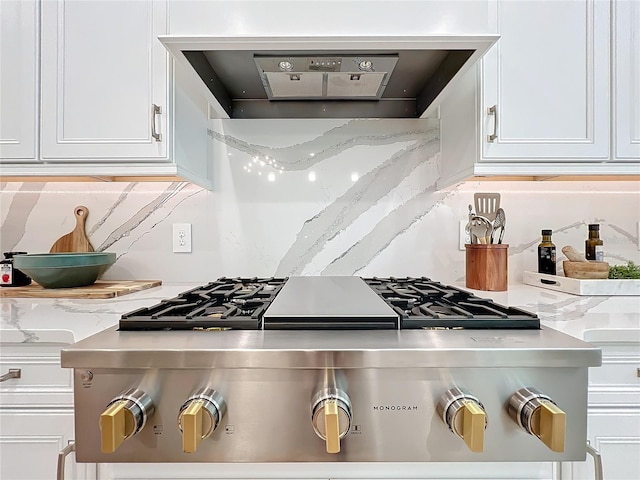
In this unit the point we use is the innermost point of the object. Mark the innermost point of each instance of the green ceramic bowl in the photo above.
(64, 270)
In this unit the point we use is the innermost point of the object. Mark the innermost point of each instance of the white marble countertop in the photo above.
(616, 318)
(606, 318)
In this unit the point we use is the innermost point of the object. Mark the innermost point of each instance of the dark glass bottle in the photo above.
(546, 254)
(10, 276)
(593, 246)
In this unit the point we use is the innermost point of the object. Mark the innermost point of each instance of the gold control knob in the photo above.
(465, 416)
(331, 417)
(199, 417)
(332, 426)
(538, 415)
(124, 416)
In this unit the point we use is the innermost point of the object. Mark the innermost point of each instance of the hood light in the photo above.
(294, 77)
(285, 66)
(365, 65)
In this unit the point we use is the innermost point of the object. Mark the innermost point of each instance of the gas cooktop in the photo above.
(324, 302)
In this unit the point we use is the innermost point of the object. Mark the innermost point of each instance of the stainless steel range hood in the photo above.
(328, 77)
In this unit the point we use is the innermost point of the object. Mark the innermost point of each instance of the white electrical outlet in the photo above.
(182, 237)
(464, 238)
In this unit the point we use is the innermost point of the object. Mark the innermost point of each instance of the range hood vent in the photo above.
(327, 77)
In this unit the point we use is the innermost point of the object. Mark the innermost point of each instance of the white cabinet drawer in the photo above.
(42, 381)
(616, 372)
(617, 381)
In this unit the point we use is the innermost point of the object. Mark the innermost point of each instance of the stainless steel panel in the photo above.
(268, 415)
(340, 349)
(287, 85)
(328, 297)
(295, 77)
(348, 85)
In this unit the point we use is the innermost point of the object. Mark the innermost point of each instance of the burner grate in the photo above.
(424, 303)
(227, 303)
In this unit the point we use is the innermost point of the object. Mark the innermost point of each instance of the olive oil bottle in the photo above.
(593, 246)
(546, 254)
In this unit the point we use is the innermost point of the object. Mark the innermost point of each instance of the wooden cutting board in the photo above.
(76, 240)
(100, 289)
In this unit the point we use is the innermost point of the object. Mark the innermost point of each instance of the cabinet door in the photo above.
(615, 433)
(30, 440)
(626, 51)
(103, 69)
(548, 77)
(203, 471)
(18, 79)
(464, 470)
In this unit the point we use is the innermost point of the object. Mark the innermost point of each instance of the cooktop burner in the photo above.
(335, 303)
(423, 303)
(227, 303)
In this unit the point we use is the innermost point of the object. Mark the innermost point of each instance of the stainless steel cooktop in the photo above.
(217, 393)
(327, 302)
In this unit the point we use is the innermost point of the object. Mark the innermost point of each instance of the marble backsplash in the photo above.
(316, 197)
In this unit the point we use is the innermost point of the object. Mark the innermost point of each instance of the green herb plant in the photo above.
(631, 270)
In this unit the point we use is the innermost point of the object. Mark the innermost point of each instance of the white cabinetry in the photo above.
(614, 407)
(626, 64)
(36, 410)
(31, 440)
(19, 44)
(99, 97)
(202, 471)
(466, 471)
(548, 78)
(334, 471)
(564, 82)
(103, 69)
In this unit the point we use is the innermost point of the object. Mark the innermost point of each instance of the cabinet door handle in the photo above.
(157, 110)
(13, 373)
(597, 462)
(493, 111)
(62, 457)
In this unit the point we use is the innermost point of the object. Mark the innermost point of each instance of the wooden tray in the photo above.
(576, 286)
(100, 289)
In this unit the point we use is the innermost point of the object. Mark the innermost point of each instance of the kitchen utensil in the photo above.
(498, 223)
(573, 255)
(585, 270)
(467, 227)
(480, 228)
(76, 240)
(487, 204)
(64, 270)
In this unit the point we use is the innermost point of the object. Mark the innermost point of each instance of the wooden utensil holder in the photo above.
(486, 267)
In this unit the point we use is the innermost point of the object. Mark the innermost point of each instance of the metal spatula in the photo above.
(487, 204)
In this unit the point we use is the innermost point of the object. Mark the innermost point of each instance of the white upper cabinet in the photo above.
(103, 70)
(626, 65)
(19, 44)
(559, 94)
(548, 79)
(87, 89)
